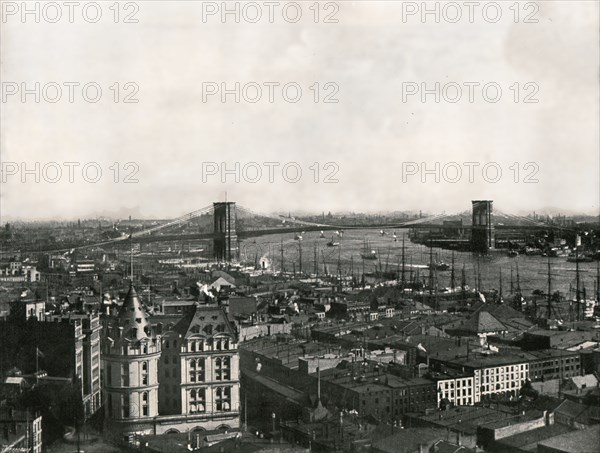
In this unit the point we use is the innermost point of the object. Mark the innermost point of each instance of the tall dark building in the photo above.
(482, 233)
(226, 240)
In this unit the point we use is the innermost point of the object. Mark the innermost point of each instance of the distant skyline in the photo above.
(371, 57)
(124, 216)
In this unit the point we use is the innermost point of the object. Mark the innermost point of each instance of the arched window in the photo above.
(145, 405)
(222, 369)
(197, 370)
(223, 399)
(145, 373)
(197, 400)
(125, 406)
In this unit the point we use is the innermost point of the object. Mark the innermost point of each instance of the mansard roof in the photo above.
(206, 321)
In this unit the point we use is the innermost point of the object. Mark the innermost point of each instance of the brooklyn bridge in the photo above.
(226, 224)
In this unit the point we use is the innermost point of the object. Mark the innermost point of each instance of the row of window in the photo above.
(458, 384)
(197, 400)
(144, 376)
(125, 406)
(199, 345)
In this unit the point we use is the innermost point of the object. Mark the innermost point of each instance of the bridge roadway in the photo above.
(298, 229)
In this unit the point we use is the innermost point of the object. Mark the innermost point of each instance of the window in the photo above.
(145, 407)
(110, 406)
(222, 369)
(198, 400)
(197, 370)
(109, 376)
(144, 373)
(125, 375)
(223, 399)
(125, 406)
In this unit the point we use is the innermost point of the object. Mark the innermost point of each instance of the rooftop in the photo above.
(580, 441)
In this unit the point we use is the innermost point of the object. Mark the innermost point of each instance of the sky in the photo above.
(393, 134)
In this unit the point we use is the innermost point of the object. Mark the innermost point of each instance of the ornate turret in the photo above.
(132, 317)
(131, 352)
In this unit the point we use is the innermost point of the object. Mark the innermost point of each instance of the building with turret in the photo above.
(173, 378)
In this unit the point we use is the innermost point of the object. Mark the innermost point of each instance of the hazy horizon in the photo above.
(178, 142)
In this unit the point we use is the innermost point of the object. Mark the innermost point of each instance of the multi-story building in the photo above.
(58, 346)
(87, 360)
(454, 388)
(200, 369)
(20, 430)
(370, 392)
(550, 364)
(178, 377)
(130, 354)
(16, 271)
(493, 374)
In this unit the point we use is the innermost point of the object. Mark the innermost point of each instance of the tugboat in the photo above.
(580, 259)
(332, 243)
(439, 266)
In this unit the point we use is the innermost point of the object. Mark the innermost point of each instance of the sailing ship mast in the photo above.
(549, 308)
(452, 276)
(463, 283)
(282, 266)
(578, 284)
(403, 279)
(500, 288)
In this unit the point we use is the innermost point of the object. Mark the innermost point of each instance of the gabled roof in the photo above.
(221, 282)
